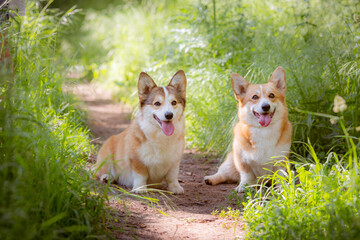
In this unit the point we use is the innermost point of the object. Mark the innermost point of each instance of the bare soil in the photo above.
(185, 216)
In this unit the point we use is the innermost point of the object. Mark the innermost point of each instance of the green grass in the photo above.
(320, 202)
(45, 193)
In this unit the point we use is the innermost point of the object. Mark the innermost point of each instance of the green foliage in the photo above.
(45, 193)
(240, 200)
(323, 206)
(229, 213)
(116, 43)
(320, 202)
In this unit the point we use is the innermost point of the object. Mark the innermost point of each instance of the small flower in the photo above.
(333, 121)
(339, 104)
(357, 129)
(343, 107)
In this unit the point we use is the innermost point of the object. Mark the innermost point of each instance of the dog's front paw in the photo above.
(214, 179)
(141, 189)
(176, 188)
(208, 180)
(241, 188)
(104, 178)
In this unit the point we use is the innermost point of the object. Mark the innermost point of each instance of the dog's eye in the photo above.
(271, 95)
(157, 104)
(255, 97)
(173, 103)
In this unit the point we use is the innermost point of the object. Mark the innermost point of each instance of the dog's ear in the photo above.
(178, 81)
(239, 85)
(145, 85)
(279, 79)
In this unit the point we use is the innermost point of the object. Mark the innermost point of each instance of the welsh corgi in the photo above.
(150, 149)
(262, 133)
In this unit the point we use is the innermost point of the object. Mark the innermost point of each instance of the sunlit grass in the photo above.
(45, 191)
(322, 205)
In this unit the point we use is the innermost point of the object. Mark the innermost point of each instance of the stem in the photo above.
(317, 114)
(351, 146)
(214, 13)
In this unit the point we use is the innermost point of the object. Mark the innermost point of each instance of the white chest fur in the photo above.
(160, 156)
(266, 151)
(160, 153)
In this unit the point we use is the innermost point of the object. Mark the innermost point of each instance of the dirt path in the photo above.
(187, 216)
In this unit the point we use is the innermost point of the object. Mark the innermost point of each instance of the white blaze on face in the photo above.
(167, 107)
(166, 124)
(165, 114)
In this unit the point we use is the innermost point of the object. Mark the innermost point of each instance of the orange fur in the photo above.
(263, 131)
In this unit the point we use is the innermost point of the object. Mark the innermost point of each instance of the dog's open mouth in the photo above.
(166, 126)
(264, 118)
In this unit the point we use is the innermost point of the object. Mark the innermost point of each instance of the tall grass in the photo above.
(45, 192)
(321, 201)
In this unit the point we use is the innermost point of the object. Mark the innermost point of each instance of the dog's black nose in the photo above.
(169, 115)
(265, 107)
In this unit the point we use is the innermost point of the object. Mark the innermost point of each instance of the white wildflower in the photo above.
(339, 104)
(333, 121)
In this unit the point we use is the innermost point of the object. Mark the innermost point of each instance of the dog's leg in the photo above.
(226, 173)
(140, 175)
(246, 178)
(172, 180)
(139, 184)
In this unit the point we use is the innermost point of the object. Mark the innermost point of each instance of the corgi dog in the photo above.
(262, 132)
(150, 149)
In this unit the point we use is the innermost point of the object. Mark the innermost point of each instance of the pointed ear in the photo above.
(279, 79)
(178, 81)
(239, 85)
(145, 85)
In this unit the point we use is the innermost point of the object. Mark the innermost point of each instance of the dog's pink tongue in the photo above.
(167, 128)
(264, 120)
